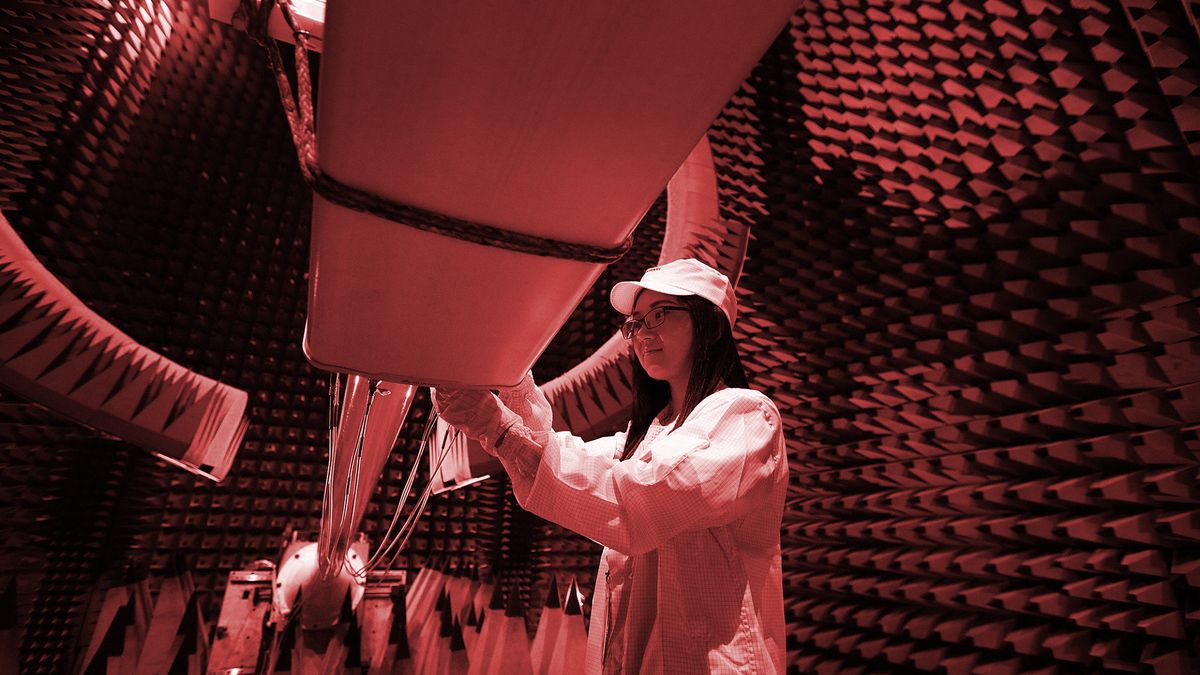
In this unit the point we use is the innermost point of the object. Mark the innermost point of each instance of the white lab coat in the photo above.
(690, 580)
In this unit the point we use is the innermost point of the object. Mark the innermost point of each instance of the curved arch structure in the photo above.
(62, 355)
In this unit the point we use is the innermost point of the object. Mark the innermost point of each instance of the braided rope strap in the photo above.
(253, 18)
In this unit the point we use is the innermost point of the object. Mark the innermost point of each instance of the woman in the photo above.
(688, 501)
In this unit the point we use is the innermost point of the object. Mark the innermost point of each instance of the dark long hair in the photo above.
(715, 360)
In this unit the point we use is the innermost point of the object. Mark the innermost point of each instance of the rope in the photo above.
(252, 16)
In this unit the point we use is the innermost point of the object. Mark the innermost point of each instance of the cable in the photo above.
(330, 560)
(394, 540)
(334, 541)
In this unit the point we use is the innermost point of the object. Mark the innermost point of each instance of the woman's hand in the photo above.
(480, 415)
(477, 413)
(527, 400)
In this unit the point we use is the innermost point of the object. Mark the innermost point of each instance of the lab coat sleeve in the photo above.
(708, 472)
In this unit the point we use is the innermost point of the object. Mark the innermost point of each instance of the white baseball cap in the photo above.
(687, 276)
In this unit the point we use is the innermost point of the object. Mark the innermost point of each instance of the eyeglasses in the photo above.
(653, 319)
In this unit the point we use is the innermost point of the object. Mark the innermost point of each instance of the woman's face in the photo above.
(665, 351)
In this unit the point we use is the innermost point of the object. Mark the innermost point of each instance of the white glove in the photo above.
(527, 400)
(481, 416)
(477, 413)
